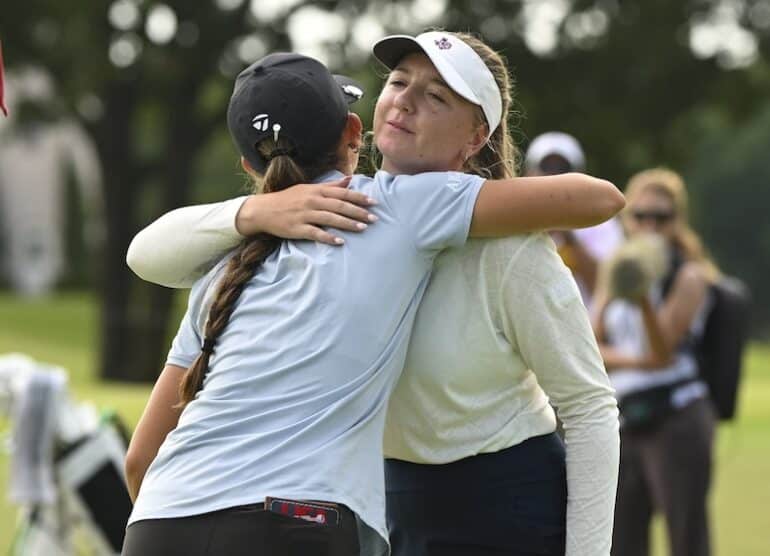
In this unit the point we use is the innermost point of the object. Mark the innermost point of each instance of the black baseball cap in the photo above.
(292, 96)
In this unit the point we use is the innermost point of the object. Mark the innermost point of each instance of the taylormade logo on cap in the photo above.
(260, 122)
(458, 64)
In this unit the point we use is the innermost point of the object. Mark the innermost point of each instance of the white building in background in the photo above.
(36, 160)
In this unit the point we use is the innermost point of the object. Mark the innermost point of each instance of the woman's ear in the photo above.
(350, 144)
(477, 141)
(246, 166)
(353, 130)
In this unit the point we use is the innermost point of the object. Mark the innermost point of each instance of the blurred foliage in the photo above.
(730, 183)
(79, 270)
(621, 76)
(150, 107)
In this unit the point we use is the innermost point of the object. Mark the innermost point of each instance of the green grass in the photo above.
(741, 490)
(62, 330)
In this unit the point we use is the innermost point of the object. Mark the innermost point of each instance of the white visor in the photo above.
(458, 64)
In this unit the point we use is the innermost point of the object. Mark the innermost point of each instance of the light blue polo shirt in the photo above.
(294, 402)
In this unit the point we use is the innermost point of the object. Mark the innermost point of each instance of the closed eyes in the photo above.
(400, 84)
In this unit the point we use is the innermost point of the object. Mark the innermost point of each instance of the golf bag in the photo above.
(66, 465)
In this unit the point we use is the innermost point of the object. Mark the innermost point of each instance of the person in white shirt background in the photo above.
(648, 343)
(474, 466)
(582, 250)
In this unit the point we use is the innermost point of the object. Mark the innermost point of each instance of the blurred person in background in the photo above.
(40, 151)
(582, 250)
(653, 300)
(474, 465)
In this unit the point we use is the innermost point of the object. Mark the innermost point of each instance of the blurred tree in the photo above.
(628, 79)
(145, 82)
(150, 82)
(730, 181)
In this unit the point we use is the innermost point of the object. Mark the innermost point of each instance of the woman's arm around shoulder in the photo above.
(517, 205)
(183, 244)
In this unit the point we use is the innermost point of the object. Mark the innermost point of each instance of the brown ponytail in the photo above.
(282, 172)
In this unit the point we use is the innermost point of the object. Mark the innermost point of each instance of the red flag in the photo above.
(2, 86)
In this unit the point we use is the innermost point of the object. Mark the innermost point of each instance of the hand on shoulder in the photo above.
(302, 211)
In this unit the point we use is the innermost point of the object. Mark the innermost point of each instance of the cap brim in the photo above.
(351, 89)
(391, 49)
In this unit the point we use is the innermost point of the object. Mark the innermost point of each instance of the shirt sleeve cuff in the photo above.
(221, 218)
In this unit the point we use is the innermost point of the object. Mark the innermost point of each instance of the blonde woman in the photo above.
(667, 422)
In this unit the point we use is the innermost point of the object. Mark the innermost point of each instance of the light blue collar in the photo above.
(331, 175)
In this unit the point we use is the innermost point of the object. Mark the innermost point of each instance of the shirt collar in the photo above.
(331, 175)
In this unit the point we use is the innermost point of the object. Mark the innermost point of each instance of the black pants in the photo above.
(511, 503)
(247, 530)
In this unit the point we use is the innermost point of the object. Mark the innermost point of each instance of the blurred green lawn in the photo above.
(61, 330)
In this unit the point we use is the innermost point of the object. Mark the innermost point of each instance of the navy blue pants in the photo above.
(512, 502)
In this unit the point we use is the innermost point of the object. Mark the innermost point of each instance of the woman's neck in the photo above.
(395, 169)
(346, 169)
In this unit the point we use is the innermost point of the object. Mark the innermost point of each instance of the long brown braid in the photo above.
(282, 172)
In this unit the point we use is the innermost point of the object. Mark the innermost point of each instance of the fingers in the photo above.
(332, 206)
(317, 234)
(332, 220)
(343, 194)
(343, 208)
(314, 232)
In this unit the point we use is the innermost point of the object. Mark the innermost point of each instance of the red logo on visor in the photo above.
(443, 43)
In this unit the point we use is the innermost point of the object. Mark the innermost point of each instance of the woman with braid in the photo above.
(294, 352)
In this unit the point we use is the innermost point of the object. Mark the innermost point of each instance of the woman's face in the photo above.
(652, 212)
(420, 124)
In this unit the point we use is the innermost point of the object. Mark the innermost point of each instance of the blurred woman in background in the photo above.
(647, 326)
